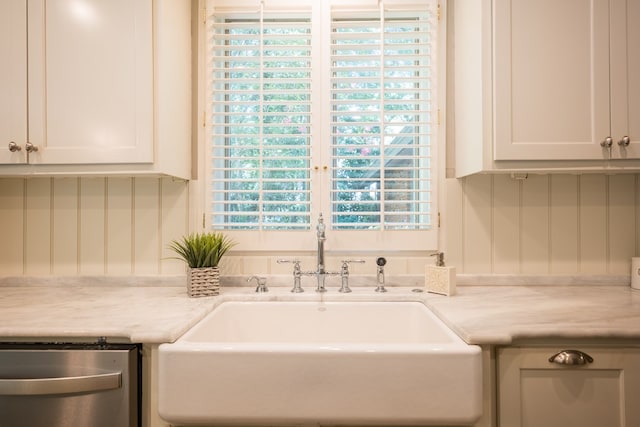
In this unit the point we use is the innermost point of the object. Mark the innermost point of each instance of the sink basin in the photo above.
(327, 363)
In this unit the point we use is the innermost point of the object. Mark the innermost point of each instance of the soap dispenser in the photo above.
(440, 279)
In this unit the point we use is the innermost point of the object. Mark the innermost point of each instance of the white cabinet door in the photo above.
(13, 80)
(625, 78)
(534, 392)
(90, 83)
(551, 65)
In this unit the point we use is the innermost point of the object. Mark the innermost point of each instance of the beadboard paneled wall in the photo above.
(91, 226)
(546, 224)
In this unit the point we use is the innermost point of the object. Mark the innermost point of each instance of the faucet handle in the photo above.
(297, 274)
(344, 273)
(346, 262)
(262, 283)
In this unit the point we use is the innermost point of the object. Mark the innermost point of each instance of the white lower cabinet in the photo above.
(600, 389)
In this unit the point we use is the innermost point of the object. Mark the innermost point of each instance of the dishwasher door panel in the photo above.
(56, 387)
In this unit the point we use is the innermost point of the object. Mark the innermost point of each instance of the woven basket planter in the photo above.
(203, 282)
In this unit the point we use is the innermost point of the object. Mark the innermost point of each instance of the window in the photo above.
(323, 107)
(262, 122)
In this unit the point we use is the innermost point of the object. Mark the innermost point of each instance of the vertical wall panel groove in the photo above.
(608, 230)
(175, 222)
(453, 223)
(92, 238)
(549, 220)
(535, 225)
(621, 223)
(12, 228)
(119, 226)
(520, 228)
(505, 211)
(65, 219)
(38, 231)
(477, 244)
(564, 224)
(146, 226)
(592, 224)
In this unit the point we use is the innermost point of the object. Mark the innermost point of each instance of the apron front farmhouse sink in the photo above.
(327, 363)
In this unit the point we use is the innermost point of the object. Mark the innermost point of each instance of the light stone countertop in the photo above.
(503, 315)
(84, 313)
(490, 315)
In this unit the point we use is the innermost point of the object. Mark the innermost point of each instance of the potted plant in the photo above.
(202, 252)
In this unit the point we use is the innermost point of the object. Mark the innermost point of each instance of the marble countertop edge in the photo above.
(484, 315)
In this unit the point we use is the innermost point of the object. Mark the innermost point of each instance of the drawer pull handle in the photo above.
(60, 385)
(571, 357)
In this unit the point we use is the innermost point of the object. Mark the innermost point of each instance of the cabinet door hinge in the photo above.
(204, 13)
(204, 119)
(438, 219)
(203, 221)
(438, 118)
(439, 11)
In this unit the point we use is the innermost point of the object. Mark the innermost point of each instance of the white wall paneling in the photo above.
(92, 230)
(535, 235)
(91, 226)
(477, 224)
(545, 224)
(119, 222)
(506, 224)
(66, 223)
(12, 198)
(37, 225)
(624, 208)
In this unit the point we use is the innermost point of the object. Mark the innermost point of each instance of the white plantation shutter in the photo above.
(365, 157)
(261, 92)
(381, 120)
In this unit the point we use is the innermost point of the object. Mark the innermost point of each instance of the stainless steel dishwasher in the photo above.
(64, 385)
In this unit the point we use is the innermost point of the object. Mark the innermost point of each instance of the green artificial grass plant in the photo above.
(200, 250)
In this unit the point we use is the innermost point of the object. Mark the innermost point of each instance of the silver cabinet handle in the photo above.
(571, 357)
(13, 147)
(31, 148)
(625, 141)
(607, 143)
(61, 385)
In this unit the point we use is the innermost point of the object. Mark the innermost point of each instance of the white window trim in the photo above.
(397, 241)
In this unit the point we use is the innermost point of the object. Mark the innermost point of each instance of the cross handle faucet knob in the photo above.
(262, 283)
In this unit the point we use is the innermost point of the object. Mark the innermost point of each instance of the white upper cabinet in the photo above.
(13, 81)
(625, 78)
(551, 79)
(542, 85)
(88, 84)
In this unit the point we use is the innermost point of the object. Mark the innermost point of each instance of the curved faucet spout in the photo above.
(321, 239)
(320, 272)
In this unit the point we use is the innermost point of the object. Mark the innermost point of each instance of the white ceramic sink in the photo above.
(310, 363)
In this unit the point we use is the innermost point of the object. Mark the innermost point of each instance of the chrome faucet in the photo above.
(261, 283)
(321, 272)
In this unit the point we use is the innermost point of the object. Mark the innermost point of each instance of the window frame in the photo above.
(349, 241)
